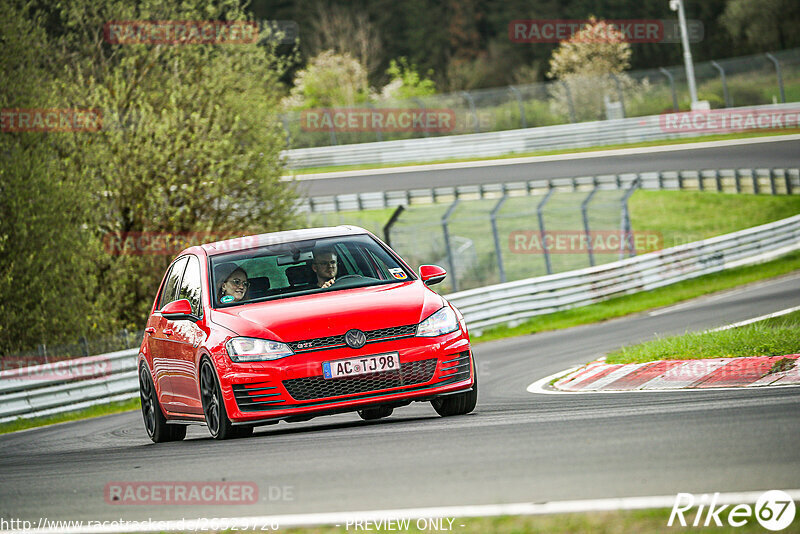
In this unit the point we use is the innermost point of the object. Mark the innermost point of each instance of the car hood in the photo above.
(331, 313)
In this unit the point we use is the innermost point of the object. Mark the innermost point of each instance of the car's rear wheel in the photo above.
(217, 420)
(155, 423)
(458, 404)
(370, 414)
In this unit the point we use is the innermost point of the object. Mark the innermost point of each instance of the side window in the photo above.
(170, 290)
(190, 286)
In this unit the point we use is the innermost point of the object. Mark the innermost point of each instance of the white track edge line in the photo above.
(756, 319)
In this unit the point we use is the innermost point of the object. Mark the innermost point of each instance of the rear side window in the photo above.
(190, 286)
(170, 291)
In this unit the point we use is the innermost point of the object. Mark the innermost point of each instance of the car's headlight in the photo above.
(443, 321)
(250, 349)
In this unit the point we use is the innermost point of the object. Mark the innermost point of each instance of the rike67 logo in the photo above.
(774, 510)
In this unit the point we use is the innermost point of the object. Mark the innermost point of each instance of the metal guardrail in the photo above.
(70, 385)
(513, 302)
(491, 144)
(775, 181)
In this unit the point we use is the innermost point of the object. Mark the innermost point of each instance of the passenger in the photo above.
(325, 266)
(233, 285)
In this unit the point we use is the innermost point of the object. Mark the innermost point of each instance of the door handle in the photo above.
(168, 332)
(149, 330)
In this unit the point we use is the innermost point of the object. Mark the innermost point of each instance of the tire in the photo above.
(370, 414)
(458, 404)
(155, 424)
(217, 420)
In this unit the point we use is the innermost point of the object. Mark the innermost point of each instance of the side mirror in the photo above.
(431, 274)
(177, 310)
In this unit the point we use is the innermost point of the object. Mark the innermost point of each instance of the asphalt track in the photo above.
(516, 447)
(756, 153)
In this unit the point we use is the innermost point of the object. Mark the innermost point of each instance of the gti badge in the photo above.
(355, 338)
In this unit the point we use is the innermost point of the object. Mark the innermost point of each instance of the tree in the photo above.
(346, 31)
(766, 25)
(190, 140)
(329, 79)
(590, 64)
(47, 279)
(405, 82)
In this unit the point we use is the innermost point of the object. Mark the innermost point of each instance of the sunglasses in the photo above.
(237, 282)
(329, 263)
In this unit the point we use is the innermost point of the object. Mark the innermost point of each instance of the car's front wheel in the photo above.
(155, 423)
(458, 404)
(217, 420)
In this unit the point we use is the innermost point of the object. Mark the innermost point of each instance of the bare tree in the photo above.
(345, 31)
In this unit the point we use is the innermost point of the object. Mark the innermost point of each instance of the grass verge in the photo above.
(94, 411)
(663, 296)
(772, 337)
(705, 138)
(650, 521)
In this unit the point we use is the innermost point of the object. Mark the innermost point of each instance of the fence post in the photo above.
(626, 221)
(471, 102)
(378, 133)
(772, 189)
(619, 94)
(387, 228)
(754, 176)
(780, 76)
(737, 180)
(725, 94)
(569, 102)
(671, 79)
(585, 215)
(522, 119)
(450, 256)
(285, 123)
(540, 216)
(84, 345)
(718, 179)
(788, 179)
(333, 129)
(421, 104)
(497, 248)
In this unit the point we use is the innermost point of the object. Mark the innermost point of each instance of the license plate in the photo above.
(376, 363)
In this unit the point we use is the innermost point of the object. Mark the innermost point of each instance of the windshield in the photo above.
(303, 267)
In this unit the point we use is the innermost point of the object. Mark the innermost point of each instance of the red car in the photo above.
(293, 325)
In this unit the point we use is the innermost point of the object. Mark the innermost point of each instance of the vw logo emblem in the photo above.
(355, 338)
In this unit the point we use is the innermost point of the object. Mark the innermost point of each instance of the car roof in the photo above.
(274, 238)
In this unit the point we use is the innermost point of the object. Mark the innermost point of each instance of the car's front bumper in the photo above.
(294, 388)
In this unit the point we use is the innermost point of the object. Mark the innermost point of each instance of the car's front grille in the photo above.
(317, 387)
(331, 342)
(257, 397)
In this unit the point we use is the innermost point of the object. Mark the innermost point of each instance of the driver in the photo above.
(325, 266)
